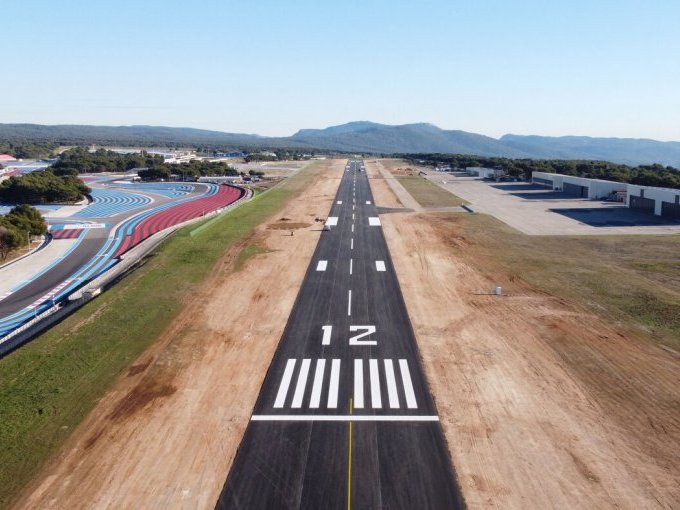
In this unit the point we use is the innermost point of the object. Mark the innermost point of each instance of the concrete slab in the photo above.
(535, 210)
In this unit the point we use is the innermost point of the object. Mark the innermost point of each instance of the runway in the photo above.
(344, 417)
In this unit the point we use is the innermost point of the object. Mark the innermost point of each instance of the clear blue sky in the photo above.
(597, 67)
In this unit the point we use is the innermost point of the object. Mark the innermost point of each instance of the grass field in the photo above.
(48, 386)
(631, 279)
(428, 194)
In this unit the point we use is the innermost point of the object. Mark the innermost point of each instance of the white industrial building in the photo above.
(485, 173)
(594, 189)
(662, 202)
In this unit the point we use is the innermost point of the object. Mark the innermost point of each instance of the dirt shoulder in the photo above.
(543, 403)
(166, 434)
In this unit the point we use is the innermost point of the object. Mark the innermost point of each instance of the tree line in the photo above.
(644, 175)
(17, 226)
(43, 187)
(148, 166)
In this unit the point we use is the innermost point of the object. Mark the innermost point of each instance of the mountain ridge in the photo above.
(369, 137)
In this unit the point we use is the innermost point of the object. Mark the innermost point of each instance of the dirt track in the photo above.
(543, 405)
(166, 435)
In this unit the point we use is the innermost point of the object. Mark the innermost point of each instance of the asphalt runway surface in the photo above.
(344, 418)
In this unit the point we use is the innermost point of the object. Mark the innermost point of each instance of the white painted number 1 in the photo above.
(356, 340)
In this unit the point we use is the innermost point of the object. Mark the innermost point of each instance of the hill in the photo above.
(426, 138)
(361, 136)
(630, 151)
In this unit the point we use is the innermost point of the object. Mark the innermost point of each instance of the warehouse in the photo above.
(485, 173)
(580, 187)
(659, 201)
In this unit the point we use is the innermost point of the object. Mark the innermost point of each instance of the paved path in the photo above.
(345, 418)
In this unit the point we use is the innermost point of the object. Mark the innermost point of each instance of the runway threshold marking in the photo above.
(285, 383)
(343, 417)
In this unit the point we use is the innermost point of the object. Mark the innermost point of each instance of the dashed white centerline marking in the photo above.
(352, 216)
(374, 221)
(376, 401)
(335, 379)
(322, 265)
(380, 265)
(352, 227)
(408, 385)
(358, 384)
(326, 340)
(285, 383)
(392, 394)
(350, 266)
(349, 303)
(318, 383)
(301, 383)
(351, 244)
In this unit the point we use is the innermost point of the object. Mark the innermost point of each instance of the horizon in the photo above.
(269, 69)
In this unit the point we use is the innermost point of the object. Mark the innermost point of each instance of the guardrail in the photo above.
(89, 291)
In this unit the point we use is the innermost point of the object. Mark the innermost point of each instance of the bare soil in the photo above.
(166, 434)
(543, 403)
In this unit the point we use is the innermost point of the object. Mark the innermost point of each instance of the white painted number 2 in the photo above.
(356, 340)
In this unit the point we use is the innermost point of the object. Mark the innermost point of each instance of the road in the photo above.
(344, 417)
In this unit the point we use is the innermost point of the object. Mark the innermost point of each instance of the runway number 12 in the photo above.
(353, 340)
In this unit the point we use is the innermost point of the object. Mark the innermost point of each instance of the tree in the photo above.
(9, 240)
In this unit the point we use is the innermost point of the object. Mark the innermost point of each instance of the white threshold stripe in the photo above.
(376, 401)
(301, 383)
(334, 382)
(408, 384)
(358, 384)
(285, 382)
(318, 383)
(340, 417)
(392, 394)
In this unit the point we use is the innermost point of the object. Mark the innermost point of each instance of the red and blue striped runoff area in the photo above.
(179, 214)
(72, 233)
